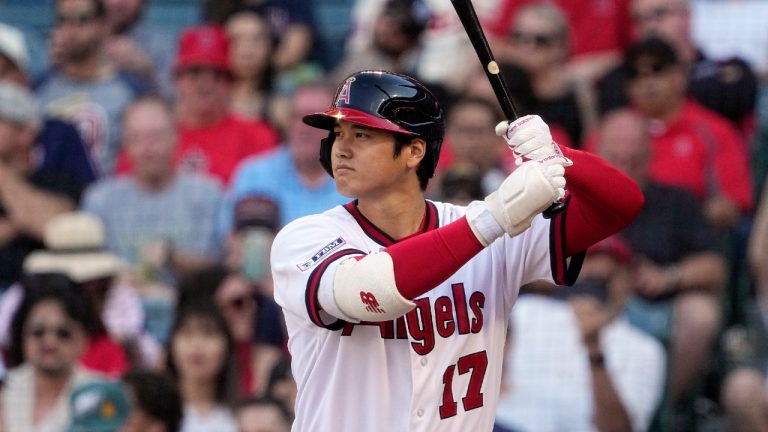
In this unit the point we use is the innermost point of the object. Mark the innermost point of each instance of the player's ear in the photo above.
(417, 149)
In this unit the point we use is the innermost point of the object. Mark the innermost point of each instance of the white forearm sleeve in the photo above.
(365, 289)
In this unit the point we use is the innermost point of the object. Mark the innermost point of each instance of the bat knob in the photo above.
(554, 209)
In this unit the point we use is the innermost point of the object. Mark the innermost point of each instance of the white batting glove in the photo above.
(528, 191)
(529, 139)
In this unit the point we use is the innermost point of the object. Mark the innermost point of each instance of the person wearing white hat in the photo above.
(75, 248)
(75, 245)
(14, 56)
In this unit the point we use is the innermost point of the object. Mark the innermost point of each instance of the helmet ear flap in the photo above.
(326, 144)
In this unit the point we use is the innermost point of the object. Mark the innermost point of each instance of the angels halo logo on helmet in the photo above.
(388, 101)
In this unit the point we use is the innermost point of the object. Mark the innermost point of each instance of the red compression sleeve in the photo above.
(424, 261)
(603, 200)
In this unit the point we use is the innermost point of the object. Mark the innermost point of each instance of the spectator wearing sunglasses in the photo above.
(727, 86)
(599, 31)
(258, 342)
(49, 337)
(692, 147)
(539, 43)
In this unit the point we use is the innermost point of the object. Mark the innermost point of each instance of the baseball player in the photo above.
(397, 306)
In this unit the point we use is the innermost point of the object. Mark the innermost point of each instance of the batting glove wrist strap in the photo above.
(482, 223)
(528, 191)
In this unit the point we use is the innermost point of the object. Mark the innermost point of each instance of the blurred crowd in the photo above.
(143, 177)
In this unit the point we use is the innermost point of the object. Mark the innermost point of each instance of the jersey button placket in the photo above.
(419, 412)
(423, 361)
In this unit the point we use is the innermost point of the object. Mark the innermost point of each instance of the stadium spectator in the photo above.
(599, 30)
(282, 386)
(395, 41)
(726, 86)
(157, 216)
(155, 403)
(692, 147)
(757, 254)
(292, 175)
(538, 41)
(443, 34)
(75, 246)
(199, 358)
(262, 414)
(241, 306)
(135, 46)
(30, 195)
(14, 56)
(59, 146)
(211, 139)
(469, 135)
(49, 336)
(744, 400)
(256, 222)
(461, 184)
(292, 20)
(680, 269)
(98, 406)
(614, 378)
(252, 46)
(83, 86)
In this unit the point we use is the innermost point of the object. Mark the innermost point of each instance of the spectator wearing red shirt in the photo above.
(693, 147)
(599, 29)
(212, 139)
(727, 86)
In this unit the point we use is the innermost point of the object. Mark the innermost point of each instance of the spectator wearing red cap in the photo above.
(211, 138)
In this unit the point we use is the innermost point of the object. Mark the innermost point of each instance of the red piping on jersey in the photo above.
(313, 286)
(428, 223)
(562, 272)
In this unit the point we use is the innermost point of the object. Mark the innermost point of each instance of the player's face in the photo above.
(364, 164)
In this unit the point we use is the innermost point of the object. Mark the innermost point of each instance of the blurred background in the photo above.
(150, 150)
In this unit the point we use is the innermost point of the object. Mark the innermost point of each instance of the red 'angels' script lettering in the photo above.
(370, 302)
(447, 316)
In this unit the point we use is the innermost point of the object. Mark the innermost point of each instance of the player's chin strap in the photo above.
(326, 144)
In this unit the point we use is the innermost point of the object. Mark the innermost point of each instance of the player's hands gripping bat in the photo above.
(468, 17)
(529, 139)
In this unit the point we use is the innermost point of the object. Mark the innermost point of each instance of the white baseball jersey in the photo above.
(436, 368)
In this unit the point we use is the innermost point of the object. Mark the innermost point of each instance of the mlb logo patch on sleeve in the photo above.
(318, 256)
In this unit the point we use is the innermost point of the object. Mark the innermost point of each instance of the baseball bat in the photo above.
(468, 17)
